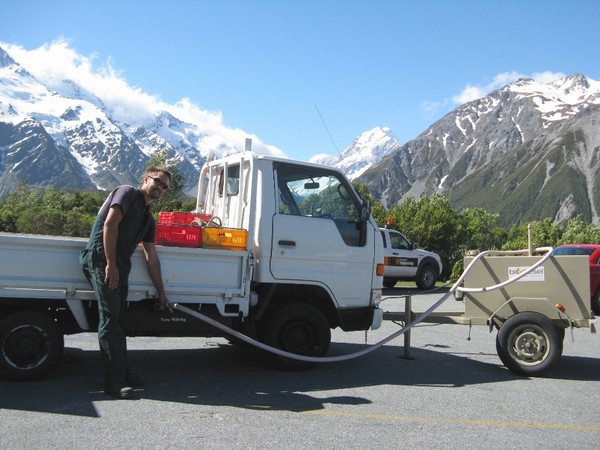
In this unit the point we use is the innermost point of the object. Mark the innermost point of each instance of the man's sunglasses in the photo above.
(160, 183)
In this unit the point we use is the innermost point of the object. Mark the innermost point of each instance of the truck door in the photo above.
(317, 233)
(401, 259)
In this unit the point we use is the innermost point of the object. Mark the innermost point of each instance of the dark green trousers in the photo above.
(111, 305)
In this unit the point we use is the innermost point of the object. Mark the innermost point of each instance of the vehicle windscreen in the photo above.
(573, 251)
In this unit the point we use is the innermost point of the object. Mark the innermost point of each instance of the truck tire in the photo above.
(389, 282)
(426, 278)
(529, 344)
(31, 344)
(297, 328)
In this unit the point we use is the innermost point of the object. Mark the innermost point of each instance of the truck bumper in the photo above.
(377, 318)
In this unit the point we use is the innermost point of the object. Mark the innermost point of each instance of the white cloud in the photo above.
(431, 108)
(469, 93)
(52, 63)
(547, 76)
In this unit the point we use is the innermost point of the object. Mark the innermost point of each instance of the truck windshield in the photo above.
(573, 251)
(310, 192)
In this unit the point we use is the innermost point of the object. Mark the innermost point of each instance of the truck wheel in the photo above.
(596, 302)
(427, 278)
(529, 344)
(30, 345)
(389, 282)
(298, 328)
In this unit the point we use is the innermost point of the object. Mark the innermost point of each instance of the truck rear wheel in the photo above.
(529, 344)
(30, 345)
(298, 328)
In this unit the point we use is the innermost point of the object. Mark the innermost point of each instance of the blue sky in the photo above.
(274, 68)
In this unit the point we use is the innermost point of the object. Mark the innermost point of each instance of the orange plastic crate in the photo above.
(224, 238)
(176, 235)
(182, 218)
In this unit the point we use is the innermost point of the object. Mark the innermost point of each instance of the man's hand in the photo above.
(163, 302)
(111, 276)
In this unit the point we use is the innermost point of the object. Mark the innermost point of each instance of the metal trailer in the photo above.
(531, 313)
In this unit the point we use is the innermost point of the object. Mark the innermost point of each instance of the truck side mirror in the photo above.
(365, 211)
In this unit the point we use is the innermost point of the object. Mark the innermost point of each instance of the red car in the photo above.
(593, 251)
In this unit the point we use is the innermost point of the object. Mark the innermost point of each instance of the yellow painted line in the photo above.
(486, 423)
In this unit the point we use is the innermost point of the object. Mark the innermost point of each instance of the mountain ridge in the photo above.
(526, 151)
(479, 154)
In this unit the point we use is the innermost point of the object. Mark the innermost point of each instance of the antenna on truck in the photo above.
(328, 132)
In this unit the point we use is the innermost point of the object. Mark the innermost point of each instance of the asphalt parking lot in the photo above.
(206, 393)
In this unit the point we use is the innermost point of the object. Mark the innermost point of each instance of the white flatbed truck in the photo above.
(313, 261)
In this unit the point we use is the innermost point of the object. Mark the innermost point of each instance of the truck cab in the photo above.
(405, 262)
(311, 235)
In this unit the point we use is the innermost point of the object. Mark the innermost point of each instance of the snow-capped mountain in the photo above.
(366, 150)
(59, 134)
(526, 151)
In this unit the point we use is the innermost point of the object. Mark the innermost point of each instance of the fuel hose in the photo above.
(325, 359)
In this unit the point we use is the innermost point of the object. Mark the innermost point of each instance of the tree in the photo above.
(480, 229)
(432, 223)
(49, 211)
(579, 232)
(174, 199)
(378, 212)
(544, 234)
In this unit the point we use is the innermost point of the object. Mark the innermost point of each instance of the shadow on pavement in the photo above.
(238, 376)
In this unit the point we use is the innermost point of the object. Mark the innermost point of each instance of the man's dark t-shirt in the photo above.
(137, 225)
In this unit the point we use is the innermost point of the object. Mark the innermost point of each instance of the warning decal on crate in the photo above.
(536, 275)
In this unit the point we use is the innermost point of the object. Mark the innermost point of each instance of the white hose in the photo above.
(419, 319)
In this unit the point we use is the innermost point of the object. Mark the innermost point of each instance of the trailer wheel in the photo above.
(529, 344)
(298, 328)
(427, 278)
(30, 345)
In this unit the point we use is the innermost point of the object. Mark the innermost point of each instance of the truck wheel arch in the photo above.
(276, 295)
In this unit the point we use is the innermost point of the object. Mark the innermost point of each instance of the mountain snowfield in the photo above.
(526, 151)
(365, 151)
(108, 146)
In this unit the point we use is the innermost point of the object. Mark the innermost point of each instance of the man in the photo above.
(123, 222)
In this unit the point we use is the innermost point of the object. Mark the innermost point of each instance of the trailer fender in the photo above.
(517, 305)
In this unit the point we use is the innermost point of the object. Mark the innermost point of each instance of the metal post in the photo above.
(408, 318)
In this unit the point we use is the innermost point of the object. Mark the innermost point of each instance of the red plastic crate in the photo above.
(181, 218)
(176, 235)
